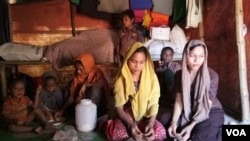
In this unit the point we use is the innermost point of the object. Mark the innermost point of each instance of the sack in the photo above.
(109, 128)
(160, 33)
(140, 4)
(178, 37)
(21, 52)
(113, 6)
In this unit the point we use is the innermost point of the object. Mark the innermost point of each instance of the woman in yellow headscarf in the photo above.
(136, 94)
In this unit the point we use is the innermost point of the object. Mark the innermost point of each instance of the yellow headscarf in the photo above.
(144, 101)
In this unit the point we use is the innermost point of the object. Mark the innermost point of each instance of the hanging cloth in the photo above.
(194, 13)
(179, 11)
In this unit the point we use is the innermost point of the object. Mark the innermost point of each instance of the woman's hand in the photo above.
(135, 131)
(58, 115)
(49, 115)
(172, 129)
(38, 90)
(149, 132)
(82, 90)
(184, 135)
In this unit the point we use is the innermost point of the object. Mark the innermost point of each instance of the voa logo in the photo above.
(236, 132)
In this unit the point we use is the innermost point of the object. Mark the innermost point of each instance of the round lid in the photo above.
(86, 101)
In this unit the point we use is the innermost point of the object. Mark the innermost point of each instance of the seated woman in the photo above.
(136, 94)
(88, 82)
(198, 114)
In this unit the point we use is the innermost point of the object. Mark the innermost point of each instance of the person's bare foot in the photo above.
(38, 129)
(49, 126)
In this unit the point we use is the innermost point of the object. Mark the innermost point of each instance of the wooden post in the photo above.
(201, 24)
(242, 61)
(3, 82)
(72, 18)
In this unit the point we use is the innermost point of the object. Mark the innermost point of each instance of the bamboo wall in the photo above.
(46, 22)
(220, 36)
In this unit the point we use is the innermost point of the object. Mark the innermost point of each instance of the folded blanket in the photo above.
(100, 42)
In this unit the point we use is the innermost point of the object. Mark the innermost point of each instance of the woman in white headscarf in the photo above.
(198, 114)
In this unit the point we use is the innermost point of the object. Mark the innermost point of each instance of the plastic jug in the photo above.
(85, 115)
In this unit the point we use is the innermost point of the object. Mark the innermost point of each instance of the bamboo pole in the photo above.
(242, 61)
(201, 24)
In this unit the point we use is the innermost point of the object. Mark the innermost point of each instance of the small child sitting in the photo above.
(19, 110)
(50, 98)
(165, 72)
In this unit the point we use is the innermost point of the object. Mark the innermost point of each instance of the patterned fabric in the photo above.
(127, 39)
(100, 42)
(117, 131)
(15, 110)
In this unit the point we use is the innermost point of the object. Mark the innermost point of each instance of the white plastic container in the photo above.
(85, 115)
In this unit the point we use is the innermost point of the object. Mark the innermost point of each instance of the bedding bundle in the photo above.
(100, 42)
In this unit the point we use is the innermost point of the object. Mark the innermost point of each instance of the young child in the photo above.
(165, 72)
(128, 35)
(19, 111)
(50, 98)
(136, 94)
(167, 54)
(88, 82)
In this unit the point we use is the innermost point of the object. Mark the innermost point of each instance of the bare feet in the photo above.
(38, 129)
(49, 126)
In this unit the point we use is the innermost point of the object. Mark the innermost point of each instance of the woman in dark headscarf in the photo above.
(198, 114)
